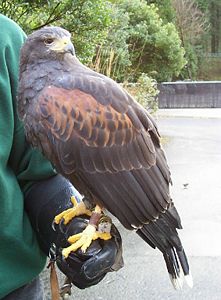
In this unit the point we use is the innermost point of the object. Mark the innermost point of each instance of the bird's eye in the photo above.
(48, 41)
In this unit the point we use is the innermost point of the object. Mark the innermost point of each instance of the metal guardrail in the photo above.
(190, 94)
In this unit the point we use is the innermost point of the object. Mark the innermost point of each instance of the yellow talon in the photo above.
(77, 210)
(80, 240)
(74, 201)
(58, 218)
(83, 240)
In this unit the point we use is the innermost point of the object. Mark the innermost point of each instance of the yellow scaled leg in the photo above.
(77, 210)
(84, 239)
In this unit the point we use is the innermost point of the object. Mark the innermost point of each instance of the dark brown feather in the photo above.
(101, 139)
(90, 136)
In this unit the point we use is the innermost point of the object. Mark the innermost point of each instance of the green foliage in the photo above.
(192, 25)
(155, 47)
(112, 57)
(203, 5)
(86, 20)
(139, 42)
(210, 68)
(165, 9)
(190, 70)
(145, 91)
(120, 38)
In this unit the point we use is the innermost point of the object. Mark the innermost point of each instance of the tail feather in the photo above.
(184, 262)
(173, 267)
(162, 234)
(172, 263)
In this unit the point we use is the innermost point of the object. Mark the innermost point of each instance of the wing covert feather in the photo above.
(83, 128)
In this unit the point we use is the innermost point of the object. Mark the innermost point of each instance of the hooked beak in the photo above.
(69, 48)
(63, 45)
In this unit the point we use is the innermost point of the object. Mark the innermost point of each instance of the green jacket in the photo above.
(20, 257)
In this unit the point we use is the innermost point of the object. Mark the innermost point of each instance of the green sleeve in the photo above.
(27, 163)
(21, 259)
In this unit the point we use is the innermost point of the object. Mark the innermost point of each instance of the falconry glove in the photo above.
(47, 198)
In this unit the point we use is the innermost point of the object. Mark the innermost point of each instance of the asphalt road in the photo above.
(193, 149)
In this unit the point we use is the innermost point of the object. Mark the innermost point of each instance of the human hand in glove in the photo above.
(45, 200)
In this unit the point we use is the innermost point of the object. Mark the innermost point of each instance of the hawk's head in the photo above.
(48, 42)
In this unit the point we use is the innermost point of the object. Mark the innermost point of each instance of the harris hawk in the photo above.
(104, 142)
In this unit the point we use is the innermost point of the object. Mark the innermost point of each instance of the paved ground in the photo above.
(193, 148)
(191, 112)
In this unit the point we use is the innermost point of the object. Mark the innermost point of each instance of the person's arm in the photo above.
(27, 164)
